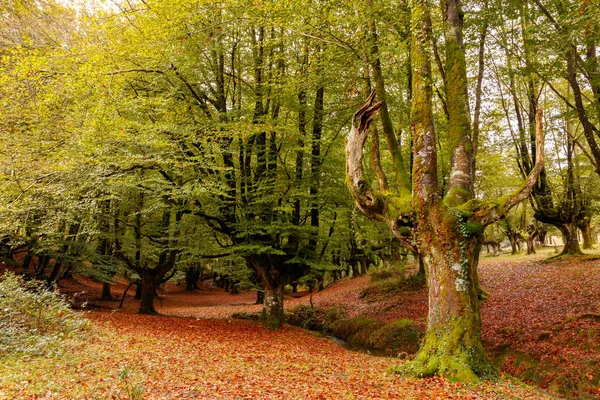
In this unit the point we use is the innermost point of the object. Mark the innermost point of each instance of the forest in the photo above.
(299, 199)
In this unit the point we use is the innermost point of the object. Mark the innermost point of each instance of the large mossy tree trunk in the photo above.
(570, 239)
(452, 345)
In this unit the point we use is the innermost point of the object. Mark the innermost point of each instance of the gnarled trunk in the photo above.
(570, 239)
(453, 339)
(147, 287)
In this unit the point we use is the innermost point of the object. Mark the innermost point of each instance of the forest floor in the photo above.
(540, 323)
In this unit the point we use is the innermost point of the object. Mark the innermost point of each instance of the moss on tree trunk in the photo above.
(452, 347)
(570, 239)
(272, 313)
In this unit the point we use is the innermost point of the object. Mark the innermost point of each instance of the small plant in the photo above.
(35, 320)
(132, 383)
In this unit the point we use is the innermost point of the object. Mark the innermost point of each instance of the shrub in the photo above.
(397, 337)
(249, 316)
(356, 330)
(35, 320)
(314, 319)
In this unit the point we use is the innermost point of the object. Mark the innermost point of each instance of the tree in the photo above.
(446, 228)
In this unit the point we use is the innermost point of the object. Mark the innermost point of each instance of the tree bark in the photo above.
(585, 226)
(106, 294)
(192, 274)
(147, 287)
(272, 313)
(260, 297)
(570, 239)
(453, 340)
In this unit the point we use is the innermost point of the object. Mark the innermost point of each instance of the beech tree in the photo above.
(445, 227)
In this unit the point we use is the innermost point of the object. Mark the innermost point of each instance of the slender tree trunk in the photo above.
(353, 265)
(260, 297)
(513, 244)
(530, 245)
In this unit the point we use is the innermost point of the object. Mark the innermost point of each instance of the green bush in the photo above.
(35, 320)
(249, 316)
(314, 319)
(397, 337)
(356, 330)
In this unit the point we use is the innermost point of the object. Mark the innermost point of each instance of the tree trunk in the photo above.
(513, 244)
(148, 291)
(353, 265)
(363, 265)
(260, 297)
(272, 312)
(530, 245)
(453, 340)
(419, 257)
(192, 274)
(570, 239)
(294, 286)
(585, 226)
(106, 294)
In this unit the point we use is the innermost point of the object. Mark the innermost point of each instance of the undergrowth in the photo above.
(399, 338)
(35, 320)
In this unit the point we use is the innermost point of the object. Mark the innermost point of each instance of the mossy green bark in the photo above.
(451, 351)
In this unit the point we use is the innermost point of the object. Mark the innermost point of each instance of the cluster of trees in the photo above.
(154, 136)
